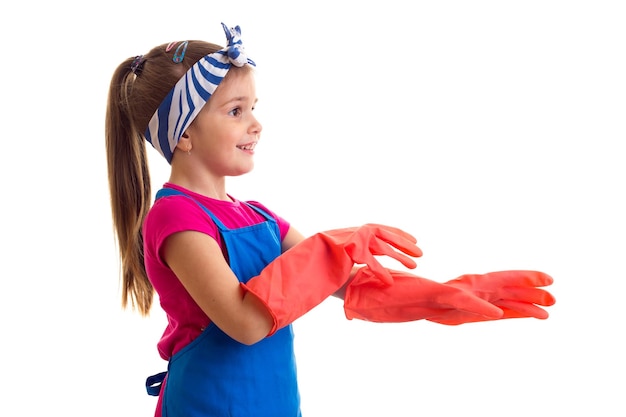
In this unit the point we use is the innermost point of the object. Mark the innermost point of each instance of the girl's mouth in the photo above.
(247, 146)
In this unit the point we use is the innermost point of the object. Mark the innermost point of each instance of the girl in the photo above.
(232, 275)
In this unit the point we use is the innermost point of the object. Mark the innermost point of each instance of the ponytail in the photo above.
(129, 187)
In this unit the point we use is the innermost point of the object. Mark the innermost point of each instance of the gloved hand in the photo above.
(409, 298)
(317, 267)
(515, 292)
(361, 243)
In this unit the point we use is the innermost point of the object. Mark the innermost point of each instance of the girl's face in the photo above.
(225, 132)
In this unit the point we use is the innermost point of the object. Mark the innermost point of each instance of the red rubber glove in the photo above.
(515, 292)
(316, 268)
(409, 298)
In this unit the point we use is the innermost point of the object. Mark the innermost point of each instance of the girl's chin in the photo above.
(243, 171)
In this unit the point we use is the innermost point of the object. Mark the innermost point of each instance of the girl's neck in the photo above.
(206, 186)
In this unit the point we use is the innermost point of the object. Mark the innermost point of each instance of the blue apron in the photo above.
(217, 376)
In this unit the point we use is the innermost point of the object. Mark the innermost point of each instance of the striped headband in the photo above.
(191, 92)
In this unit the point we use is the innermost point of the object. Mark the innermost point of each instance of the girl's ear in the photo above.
(184, 143)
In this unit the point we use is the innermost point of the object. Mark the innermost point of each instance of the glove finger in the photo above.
(456, 317)
(365, 255)
(518, 309)
(397, 238)
(385, 248)
(381, 229)
(378, 271)
(510, 310)
(399, 314)
(527, 295)
(520, 278)
(467, 302)
(365, 276)
(375, 272)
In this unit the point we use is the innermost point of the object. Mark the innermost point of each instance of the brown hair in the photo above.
(133, 99)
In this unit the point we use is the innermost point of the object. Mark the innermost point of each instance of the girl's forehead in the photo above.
(235, 81)
(238, 84)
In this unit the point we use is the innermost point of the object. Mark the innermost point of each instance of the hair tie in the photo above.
(137, 66)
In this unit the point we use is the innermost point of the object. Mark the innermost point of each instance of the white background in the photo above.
(491, 130)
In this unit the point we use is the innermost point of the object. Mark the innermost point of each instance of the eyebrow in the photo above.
(238, 99)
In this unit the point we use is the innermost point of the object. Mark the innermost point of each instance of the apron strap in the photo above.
(165, 192)
(154, 383)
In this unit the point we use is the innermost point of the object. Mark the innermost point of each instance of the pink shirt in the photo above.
(176, 214)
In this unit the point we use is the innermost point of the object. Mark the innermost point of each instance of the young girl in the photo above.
(232, 275)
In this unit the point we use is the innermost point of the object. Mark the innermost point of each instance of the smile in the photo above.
(247, 147)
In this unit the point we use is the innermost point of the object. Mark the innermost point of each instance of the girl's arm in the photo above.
(199, 264)
(293, 237)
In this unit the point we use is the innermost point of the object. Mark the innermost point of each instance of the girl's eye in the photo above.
(235, 112)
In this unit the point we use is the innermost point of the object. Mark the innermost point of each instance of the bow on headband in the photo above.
(236, 52)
